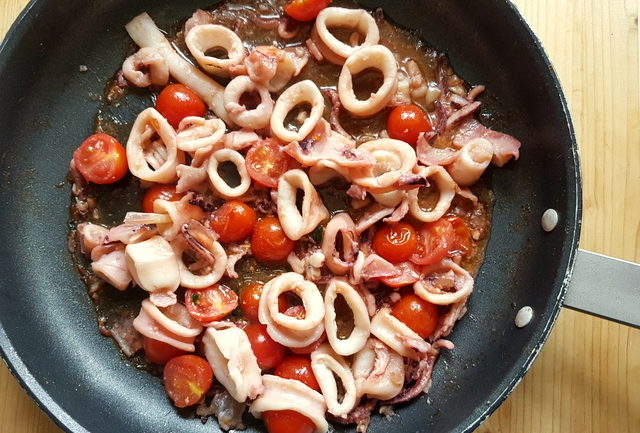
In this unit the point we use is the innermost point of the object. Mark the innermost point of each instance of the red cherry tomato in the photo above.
(101, 159)
(268, 242)
(419, 315)
(233, 221)
(395, 242)
(186, 379)
(268, 352)
(299, 368)
(408, 276)
(162, 192)
(287, 421)
(305, 10)
(462, 241)
(435, 239)
(212, 303)
(177, 101)
(159, 352)
(250, 301)
(266, 161)
(406, 122)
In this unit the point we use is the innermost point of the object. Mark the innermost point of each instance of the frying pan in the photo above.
(48, 332)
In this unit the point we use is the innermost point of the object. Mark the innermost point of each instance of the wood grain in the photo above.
(587, 378)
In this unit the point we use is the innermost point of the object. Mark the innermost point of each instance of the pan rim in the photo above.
(66, 422)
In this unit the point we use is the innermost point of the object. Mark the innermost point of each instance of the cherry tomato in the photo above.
(250, 301)
(162, 192)
(212, 303)
(408, 276)
(462, 241)
(101, 159)
(435, 239)
(177, 101)
(395, 242)
(287, 421)
(299, 368)
(268, 242)
(268, 352)
(305, 10)
(159, 352)
(406, 122)
(186, 379)
(266, 161)
(419, 315)
(233, 221)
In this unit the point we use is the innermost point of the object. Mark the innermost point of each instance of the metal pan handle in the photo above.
(605, 287)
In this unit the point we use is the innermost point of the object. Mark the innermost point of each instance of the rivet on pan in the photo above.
(524, 316)
(549, 220)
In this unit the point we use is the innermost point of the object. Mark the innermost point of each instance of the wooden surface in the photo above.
(587, 378)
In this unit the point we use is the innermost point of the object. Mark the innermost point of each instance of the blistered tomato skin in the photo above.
(395, 242)
(233, 221)
(269, 243)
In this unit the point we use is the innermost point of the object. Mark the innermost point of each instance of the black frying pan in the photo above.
(48, 332)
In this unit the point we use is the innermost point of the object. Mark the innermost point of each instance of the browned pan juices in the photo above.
(122, 104)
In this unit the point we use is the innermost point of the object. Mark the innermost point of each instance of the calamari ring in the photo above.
(430, 293)
(340, 225)
(205, 37)
(325, 170)
(314, 308)
(326, 365)
(447, 188)
(193, 281)
(256, 118)
(222, 187)
(473, 159)
(378, 371)
(393, 159)
(331, 47)
(378, 57)
(295, 223)
(197, 132)
(299, 93)
(163, 155)
(362, 326)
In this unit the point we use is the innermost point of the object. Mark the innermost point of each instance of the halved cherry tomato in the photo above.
(177, 101)
(305, 10)
(266, 161)
(212, 303)
(233, 221)
(269, 243)
(462, 240)
(406, 122)
(186, 379)
(101, 159)
(299, 368)
(159, 352)
(419, 315)
(287, 421)
(162, 192)
(268, 352)
(395, 242)
(435, 239)
(408, 276)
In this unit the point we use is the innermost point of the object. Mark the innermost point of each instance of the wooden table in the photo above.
(587, 378)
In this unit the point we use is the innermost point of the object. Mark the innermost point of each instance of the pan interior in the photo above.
(47, 323)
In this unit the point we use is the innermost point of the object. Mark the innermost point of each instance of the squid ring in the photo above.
(473, 159)
(361, 327)
(219, 184)
(299, 93)
(295, 223)
(162, 155)
(331, 47)
(256, 118)
(393, 159)
(378, 57)
(205, 37)
(430, 293)
(447, 188)
(197, 132)
(326, 365)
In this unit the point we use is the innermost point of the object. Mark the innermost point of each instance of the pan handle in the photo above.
(605, 287)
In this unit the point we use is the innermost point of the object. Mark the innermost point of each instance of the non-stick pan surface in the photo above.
(48, 332)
